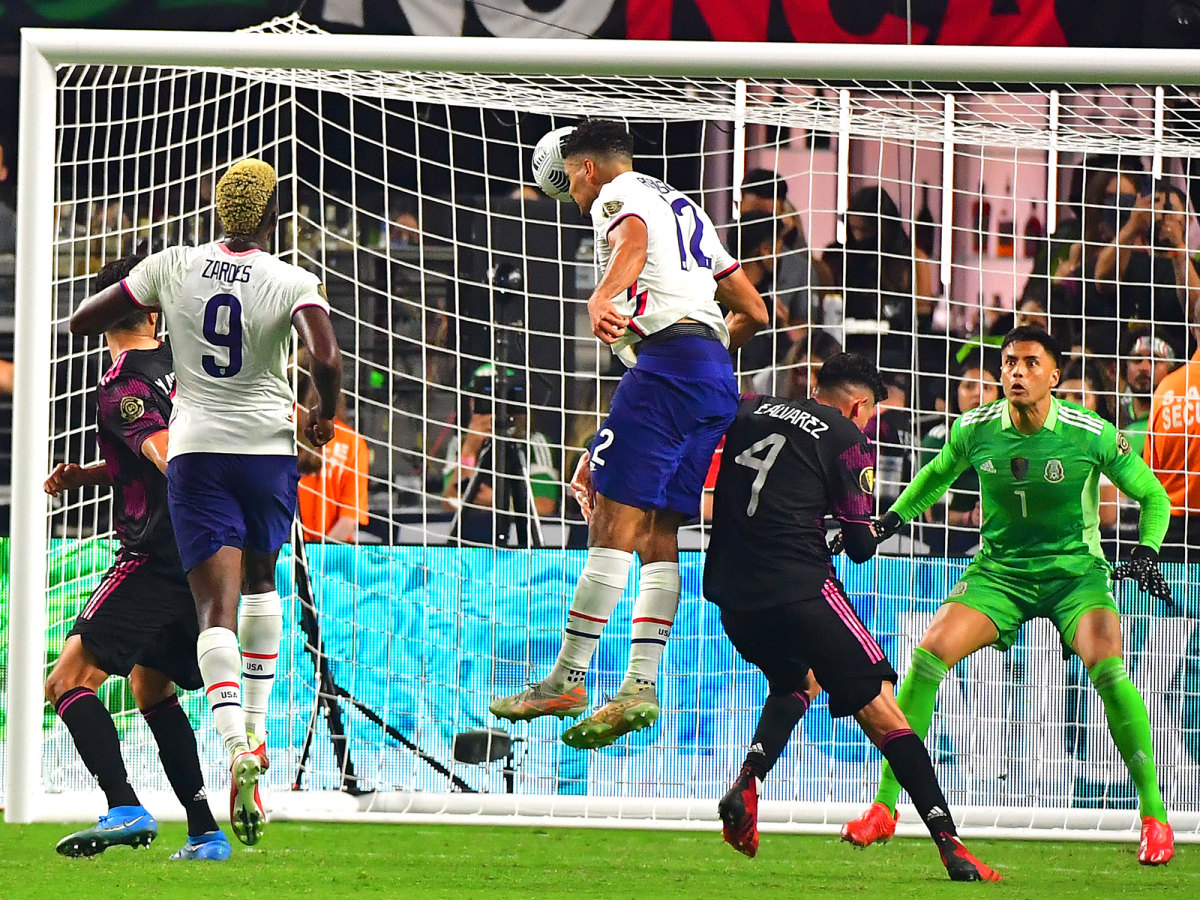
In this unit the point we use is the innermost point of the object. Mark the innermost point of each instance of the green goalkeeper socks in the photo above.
(1130, 727)
(916, 698)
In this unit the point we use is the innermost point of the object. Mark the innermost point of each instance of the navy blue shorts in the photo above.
(230, 500)
(666, 418)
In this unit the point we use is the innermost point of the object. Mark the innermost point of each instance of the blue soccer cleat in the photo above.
(128, 825)
(214, 846)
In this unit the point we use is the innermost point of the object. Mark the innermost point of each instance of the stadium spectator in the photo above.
(891, 429)
(232, 469)
(756, 244)
(645, 471)
(770, 572)
(798, 275)
(332, 493)
(797, 375)
(1039, 558)
(1145, 361)
(1145, 275)
(1173, 451)
(497, 427)
(140, 621)
(978, 384)
(881, 275)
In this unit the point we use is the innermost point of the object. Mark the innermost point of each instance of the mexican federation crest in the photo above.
(1054, 471)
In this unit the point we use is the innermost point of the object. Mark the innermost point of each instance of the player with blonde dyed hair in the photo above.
(230, 306)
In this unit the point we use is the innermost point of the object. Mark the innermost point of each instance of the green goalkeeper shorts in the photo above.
(1011, 602)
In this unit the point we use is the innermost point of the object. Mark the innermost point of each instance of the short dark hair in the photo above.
(1037, 336)
(603, 137)
(765, 184)
(843, 369)
(112, 273)
(752, 231)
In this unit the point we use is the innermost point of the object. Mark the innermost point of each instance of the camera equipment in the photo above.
(499, 390)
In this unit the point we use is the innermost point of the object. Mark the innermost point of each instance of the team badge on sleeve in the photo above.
(611, 208)
(866, 480)
(1123, 445)
(132, 409)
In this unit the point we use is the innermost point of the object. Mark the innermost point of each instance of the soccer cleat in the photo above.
(214, 846)
(739, 813)
(246, 813)
(875, 826)
(625, 712)
(540, 700)
(1158, 843)
(960, 864)
(128, 825)
(259, 749)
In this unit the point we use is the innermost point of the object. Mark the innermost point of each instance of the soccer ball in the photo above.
(548, 169)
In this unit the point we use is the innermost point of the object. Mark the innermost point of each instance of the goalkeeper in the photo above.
(1039, 461)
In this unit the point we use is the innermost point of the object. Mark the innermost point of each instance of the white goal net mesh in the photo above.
(913, 222)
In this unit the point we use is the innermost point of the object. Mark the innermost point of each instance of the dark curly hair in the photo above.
(602, 137)
(110, 274)
(844, 369)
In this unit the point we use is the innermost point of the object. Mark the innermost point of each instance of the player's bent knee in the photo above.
(149, 687)
(75, 668)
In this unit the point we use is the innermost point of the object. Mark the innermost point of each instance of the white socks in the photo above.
(653, 615)
(221, 668)
(260, 627)
(600, 586)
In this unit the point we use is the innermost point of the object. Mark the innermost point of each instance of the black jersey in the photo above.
(785, 466)
(134, 402)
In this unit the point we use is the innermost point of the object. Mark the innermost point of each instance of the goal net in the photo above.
(907, 203)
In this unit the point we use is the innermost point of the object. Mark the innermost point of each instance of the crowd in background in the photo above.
(1116, 284)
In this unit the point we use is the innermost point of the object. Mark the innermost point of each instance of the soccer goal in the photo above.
(458, 297)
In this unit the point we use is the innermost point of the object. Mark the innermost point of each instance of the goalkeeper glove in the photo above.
(887, 525)
(1143, 567)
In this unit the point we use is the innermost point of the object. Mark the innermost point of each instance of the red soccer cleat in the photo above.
(961, 865)
(875, 826)
(739, 813)
(1158, 843)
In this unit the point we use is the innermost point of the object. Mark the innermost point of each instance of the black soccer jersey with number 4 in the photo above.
(786, 465)
(134, 400)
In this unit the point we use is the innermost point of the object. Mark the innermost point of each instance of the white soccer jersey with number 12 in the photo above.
(684, 258)
(229, 316)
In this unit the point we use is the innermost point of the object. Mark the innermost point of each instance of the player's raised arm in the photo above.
(748, 313)
(316, 332)
(104, 309)
(629, 241)
(933, 480)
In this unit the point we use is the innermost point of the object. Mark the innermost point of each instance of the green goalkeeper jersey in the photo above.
(1040, 492)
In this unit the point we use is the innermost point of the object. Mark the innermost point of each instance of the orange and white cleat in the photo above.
(541, 700)
(875, 826)
(1158, 843)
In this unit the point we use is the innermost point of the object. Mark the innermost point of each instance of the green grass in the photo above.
(387, 861)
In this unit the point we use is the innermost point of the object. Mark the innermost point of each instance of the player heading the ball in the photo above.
(230, 307)
(656, 305)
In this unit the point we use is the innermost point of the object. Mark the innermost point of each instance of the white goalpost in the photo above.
(458, 293)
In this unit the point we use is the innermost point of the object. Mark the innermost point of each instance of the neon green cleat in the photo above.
(541, 700)
(623, 713)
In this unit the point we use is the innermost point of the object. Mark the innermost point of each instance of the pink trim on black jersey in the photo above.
(129, 293)
(728, 271)
(226, 250)
(619, 219)
(115, 369)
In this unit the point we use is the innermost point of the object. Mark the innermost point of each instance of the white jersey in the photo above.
(230, 318)
(684, 258)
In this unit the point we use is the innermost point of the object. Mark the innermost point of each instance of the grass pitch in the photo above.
(388, 861)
